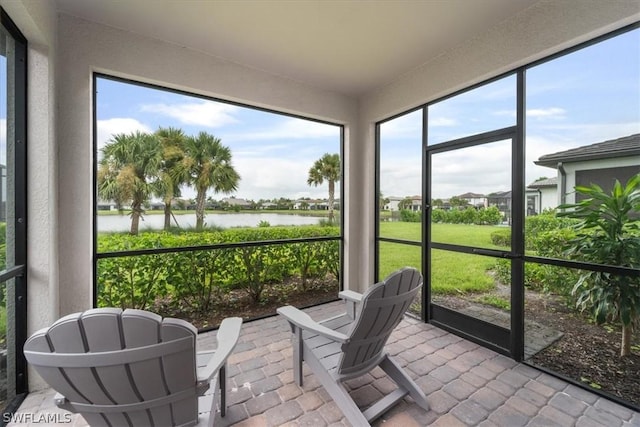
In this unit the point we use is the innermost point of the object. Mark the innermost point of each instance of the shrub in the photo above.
(438, 215)
(501, 237)
(490, 216)
(534, 226)
(195, 279)
(132, 281)
(407, 215)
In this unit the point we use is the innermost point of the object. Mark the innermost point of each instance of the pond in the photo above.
(156, 222)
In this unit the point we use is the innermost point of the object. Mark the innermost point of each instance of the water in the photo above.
(156, 222)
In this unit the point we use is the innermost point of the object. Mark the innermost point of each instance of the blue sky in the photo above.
(272, 152)
(588, 96)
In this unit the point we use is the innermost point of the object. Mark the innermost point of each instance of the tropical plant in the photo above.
(206, 165)
(608, 233)
(128, 170)
(168, 186)
(326, 168)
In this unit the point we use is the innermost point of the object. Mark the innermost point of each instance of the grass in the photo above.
(451, 272)
(495, 301)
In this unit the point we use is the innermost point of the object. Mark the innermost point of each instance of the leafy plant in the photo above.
(501, 237)
(608, 233)
(131, 282)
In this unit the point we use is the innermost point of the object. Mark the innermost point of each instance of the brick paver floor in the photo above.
(465, 384)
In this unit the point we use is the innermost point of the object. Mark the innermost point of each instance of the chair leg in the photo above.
(398, 374)
(222, 380)
(338, 393)
(296, 340)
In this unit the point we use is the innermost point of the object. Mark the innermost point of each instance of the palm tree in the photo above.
(129, 166)
(170, 181)
(326, 168)
(207, 164)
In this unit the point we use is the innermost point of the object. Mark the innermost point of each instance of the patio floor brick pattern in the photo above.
(466, 385)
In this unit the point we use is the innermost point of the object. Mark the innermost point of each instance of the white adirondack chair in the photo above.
(350, 345)
(132, 368)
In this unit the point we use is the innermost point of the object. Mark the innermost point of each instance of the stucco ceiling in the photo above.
(348, 46)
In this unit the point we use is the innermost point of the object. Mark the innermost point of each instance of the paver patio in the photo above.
(465, 384)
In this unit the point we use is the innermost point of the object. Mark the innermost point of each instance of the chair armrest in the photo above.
(304, 321)
(351, 299)
(227, 337)
(351, 296)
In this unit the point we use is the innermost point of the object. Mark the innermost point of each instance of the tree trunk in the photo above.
(625, 348)
(200, 197)
(167, 214)
(331, 196)
(135, 218)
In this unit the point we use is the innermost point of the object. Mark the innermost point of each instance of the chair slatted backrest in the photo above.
(120, 368)
(381, 310)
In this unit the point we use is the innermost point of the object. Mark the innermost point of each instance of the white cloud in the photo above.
(204, 113)
(290, 128)
(271, 177)
(275, 177)
(442, 122)
(552, 112)
(109, 127)
(408, 125)
(402, 179)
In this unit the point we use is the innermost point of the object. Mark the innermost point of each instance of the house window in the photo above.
(606, 177)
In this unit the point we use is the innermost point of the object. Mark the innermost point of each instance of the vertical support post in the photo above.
(297, 354)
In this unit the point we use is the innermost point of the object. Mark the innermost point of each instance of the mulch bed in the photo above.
(587, 352)
(239, 303)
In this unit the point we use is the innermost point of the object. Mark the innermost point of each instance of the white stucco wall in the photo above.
(549, 198)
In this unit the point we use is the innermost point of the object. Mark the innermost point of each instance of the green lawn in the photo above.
(451, 272)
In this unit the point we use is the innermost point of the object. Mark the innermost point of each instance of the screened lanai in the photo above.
(435, 107)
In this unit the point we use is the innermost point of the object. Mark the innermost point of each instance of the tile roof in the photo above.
(548, 182)
(620, 147)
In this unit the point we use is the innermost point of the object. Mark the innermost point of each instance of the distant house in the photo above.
(474, 199)
(393, 203)
(541, 195)
(501, 200)
(104, 205)
(232, 202)
(318, 205)
(600, 163)
(269, 205)
(416, 203)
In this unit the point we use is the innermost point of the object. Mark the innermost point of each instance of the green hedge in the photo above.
(488, 216)
(546, 235)
(194, 279)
